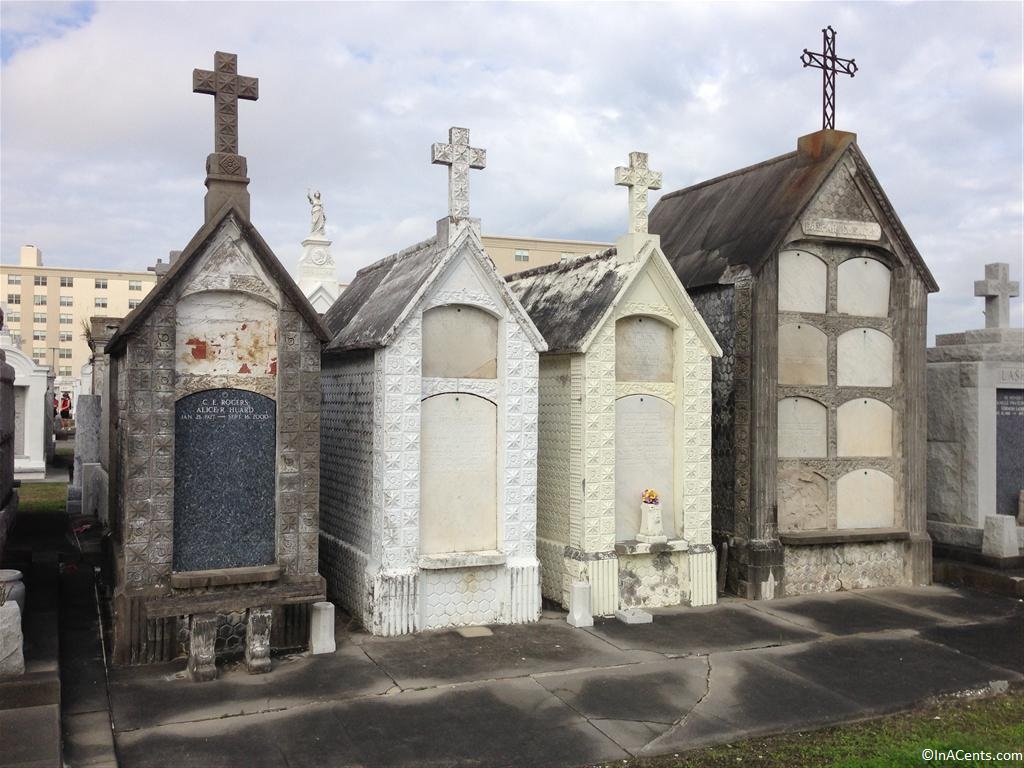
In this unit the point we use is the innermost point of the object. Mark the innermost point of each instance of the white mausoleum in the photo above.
(625, 406)
(33, 412)
(429, 448)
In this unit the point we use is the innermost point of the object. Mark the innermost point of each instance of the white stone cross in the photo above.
(997, 290)
(459, 157)
(639, 178)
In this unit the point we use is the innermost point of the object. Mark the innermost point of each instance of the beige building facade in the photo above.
(46, 309)
(514, 254)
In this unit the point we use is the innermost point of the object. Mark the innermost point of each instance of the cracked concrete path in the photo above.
(546, 694)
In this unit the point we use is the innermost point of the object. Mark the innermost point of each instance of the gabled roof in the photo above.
(372, 308)
(195, 247)
(569, 301)
(740, 219)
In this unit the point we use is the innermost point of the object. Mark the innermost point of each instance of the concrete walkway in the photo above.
(550, 695)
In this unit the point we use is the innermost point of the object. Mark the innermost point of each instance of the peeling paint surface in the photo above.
(212, 341)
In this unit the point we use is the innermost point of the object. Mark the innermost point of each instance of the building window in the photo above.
(38, 335)
(14, 317)
(39, 280)
(101, 283)
(67, 282)
(14, 279)
(101, 303)
(522, 255)
(64, 370)
(134, 285)
(67, 301)
(66, 336)
(39, 317)
(64, 354)
(39, 301)
(16, 339)
(133, 303)
(14, 298)
(38, 353)
(66, 320)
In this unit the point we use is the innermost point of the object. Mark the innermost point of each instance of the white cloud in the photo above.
(104, 145)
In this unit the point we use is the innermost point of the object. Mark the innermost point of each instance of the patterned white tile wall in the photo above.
(696, 386)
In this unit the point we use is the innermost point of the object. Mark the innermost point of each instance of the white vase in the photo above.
(651, 530)
(10, 581)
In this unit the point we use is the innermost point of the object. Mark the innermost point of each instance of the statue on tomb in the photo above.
(319, 220)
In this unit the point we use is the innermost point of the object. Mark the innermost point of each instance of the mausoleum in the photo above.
(429, 453)
(214, 383)
(818, 297)
(625, 407)
(976, 433)
(33, 412)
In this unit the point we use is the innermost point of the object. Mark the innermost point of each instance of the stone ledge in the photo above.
(462, 560)
(225, 601)
(851, 536)
(222, 577)
(643, 548)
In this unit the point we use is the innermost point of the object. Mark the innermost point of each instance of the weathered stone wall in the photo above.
(654, 580)
(554, 468)
(834, 567)
(346, 476)
(716, 307)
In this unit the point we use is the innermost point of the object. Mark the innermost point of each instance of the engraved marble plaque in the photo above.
(864, 428)
(865, 499)
(225, 456)
(458, 474)
(460, 342)
(854, 230)
(644, 458)
(803, 282)
(643, 350)
(864, 287)
(864, 358)
(803, 428)
(1009, 449)
(803, 355)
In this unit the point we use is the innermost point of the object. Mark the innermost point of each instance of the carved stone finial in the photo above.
(227, 87)
(998, 289)
(639, 178)
(459, 157)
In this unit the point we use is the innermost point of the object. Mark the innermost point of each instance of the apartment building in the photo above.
(514, 254)
(47, 308)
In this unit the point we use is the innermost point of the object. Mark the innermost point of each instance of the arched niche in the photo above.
(644, 349)
(803, 355)
(803, 428)
(864, 358)
(211, 528)
(458, 474)
(644, 458)
(865, 499)
(460, 342)
(864, 428)
(803, 282)
(864, 287)
(211, 339)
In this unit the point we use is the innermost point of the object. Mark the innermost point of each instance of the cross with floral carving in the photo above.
(227, 87)
(639, 178)
(459, 157)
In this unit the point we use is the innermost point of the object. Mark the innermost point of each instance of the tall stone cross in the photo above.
(997, 290)
(639, 178)
(227, 87)
(459, 157)
(829, 64)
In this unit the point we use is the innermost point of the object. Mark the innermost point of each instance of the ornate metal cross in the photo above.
(829, 64)
(639, 178)
(997, 290)
(459, 157)
(227, 87)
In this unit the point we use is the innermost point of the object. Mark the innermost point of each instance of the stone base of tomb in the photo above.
(757, 569)
(152, 624)
(963, 543)
(437, 597)
(829, 561)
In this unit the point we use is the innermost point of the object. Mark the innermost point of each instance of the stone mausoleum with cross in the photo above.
(429, 450)
(625, 407)
(214, 423)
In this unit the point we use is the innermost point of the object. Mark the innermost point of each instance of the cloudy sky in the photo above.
(103, 144)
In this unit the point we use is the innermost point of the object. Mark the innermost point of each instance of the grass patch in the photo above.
(974, 725)
(42, 498)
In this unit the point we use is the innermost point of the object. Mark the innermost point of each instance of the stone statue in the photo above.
(319, 220)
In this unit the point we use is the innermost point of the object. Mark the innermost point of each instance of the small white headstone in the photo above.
(321, 628)
(579, 602)
(634, 616)
(1000, 537)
